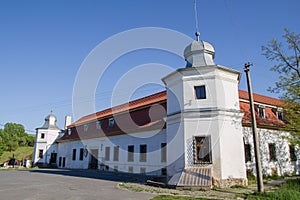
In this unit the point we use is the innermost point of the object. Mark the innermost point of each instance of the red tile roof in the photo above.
(138, 110)
(260, 98)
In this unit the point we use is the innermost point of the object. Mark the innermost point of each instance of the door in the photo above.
(53, 158)
(93, 164)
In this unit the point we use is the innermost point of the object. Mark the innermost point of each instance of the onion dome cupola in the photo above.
(50, 122)
(199, 53)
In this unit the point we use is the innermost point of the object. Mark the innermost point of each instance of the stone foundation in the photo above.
(226, 183)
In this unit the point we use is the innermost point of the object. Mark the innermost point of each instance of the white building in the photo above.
(45, 148)
(196, 133)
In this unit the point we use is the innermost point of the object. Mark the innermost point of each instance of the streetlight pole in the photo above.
(260, 184)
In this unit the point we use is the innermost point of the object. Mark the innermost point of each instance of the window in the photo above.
(85, 127)
(59, 161)
(247, 152)
(42, 135)
(163, 147)
(261, 111)
(143, 153)
(293, 156)
(143, 170)
(200, 92)
(107, 153)
(81, 154)
(130, 153)
(164, 171)
(202, 150)
(116, 153)
(74, 154)
(99, 124)
(272, 152)
(111, 122)
(41, 153)
(130, 169)
(280, 113)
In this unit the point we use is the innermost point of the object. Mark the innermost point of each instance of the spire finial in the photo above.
(196, 21)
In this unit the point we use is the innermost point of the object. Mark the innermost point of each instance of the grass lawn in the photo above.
(169, 197)
(289, 190)
(20, 153)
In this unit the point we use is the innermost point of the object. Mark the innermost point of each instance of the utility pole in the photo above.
(260, 184)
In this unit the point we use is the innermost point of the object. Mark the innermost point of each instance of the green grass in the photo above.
(289, 190)
(19, 154)
(169, 197)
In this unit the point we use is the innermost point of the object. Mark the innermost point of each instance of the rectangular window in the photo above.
(247, 152)
(163, 153)
(293, 156)
(202, 149)
(164, 171)
(59, 161)
(272, 152)
(99, 124)
(130, 169)
(41, 153)
(74, 154)
(107, 153)
(143, 153)
(42, 135)
(111, 122)
(130, 153)
(261, 111)
(81, 154)
(64, 162)
(200, 92)
(116, 153)
(85, 127)
(280, 113)
(143, 170)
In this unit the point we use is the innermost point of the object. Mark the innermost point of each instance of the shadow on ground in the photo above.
(97, 174)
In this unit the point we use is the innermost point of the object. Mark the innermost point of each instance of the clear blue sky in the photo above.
(43, 43)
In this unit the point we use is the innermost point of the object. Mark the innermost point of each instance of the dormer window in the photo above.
(279, 113)
(85, 127)
(200, 92)
(261, 111)
(99, 124)
(111, 122)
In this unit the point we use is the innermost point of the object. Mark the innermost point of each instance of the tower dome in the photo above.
(199, 53)
(50, 122)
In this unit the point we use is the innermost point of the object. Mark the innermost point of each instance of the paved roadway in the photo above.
(64, 184)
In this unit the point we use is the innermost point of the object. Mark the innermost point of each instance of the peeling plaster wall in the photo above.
(283, 164)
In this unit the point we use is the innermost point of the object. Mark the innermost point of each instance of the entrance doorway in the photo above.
(53, 158)
(93, 162)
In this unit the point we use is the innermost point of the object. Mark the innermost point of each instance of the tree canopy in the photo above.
(286, 58)
(12, 136)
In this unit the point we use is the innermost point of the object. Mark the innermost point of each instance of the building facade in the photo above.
(197, 133)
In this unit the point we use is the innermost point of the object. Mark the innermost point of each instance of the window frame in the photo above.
(130, 154)
(81, 152)
(143, 153)
(197, 144)
(107, 153)
(116, 153)
(74, 154)
(272, 152)
(200, 92)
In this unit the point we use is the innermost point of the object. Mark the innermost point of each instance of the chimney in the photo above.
(68, 121)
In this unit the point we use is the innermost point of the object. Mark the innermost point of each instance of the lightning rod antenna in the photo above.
(196, 21)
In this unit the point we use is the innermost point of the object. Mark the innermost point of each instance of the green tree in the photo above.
(286, 58)
(12, 145)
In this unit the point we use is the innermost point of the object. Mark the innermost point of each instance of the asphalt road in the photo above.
(64, 184)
